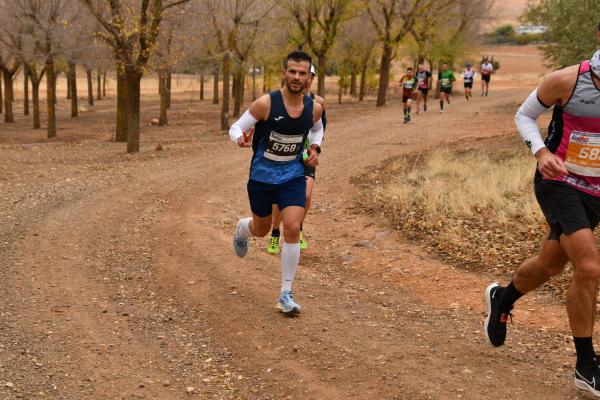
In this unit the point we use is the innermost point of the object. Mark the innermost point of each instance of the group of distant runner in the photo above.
(285, 130)
(416, 87)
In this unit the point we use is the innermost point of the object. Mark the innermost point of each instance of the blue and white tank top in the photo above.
(468, 75)
(277, 142)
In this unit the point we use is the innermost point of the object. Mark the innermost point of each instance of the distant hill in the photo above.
(507, 12)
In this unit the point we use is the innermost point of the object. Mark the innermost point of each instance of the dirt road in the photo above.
(118, 279)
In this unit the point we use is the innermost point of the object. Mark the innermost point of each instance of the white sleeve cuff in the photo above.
(315, 136)
(525, 119)
(242, 125)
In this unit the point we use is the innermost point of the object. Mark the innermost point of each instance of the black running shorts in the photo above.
(263, 195)
(405, 98)
(486, 78)
(567, 210)
(468, 85)
(424, 91)
(447, 90)
(309, 172)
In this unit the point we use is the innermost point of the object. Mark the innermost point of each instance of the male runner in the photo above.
(309, 173)
(567, 187)
(408, 83)
(446, 78)
(283, 119)
(424, 83)
(486, 70)
(468, 78)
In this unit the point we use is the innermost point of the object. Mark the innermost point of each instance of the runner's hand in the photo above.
(246, 139)
(313, 158)
(549, 164)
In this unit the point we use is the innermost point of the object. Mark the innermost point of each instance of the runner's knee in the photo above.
(587, 268)
(291, 227)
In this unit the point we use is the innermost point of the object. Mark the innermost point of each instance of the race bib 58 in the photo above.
(583, 154)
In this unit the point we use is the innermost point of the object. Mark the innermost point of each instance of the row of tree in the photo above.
(229, 39)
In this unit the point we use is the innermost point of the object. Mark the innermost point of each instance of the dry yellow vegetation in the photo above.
(475, 208)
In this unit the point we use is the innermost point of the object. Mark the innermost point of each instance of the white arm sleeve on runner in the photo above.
(242, 125)
(315, 136)
(525, 119)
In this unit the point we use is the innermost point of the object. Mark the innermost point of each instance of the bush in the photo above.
(506, 34)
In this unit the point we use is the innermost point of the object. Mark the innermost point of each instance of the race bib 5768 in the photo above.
(283, 147)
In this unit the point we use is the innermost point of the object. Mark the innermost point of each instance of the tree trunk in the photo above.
(90, 85)
(132, 80)
(169, 88)
(216, 86)
(239, 93)
(353, 80)
(201, 86)
(265, 77)
(321, 75)
(234, 82)
(51, 97)
(340, 92)
(104, 84)
(68, 86)
(54, 79)
(8, 88)
(1, 95)
(384, 75)
(98, 86)
(35, 94)
(73, 79)
(121, 129)
(225, 103)
(162, 90)
(253, 82)
(25, 90)
(363, 78)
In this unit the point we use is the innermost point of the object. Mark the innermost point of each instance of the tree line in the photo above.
(229, 40)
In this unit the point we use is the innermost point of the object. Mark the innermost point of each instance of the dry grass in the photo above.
(475, 208)
(447, 184)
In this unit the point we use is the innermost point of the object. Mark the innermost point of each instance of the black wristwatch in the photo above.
(318, 149)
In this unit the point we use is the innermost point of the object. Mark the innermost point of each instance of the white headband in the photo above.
(595, 63)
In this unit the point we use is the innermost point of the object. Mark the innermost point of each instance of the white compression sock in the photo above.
(290, 256)
(244, 227)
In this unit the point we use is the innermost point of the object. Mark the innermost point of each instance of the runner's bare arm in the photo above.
(317, 112)
(554, 90)
(258, 111)
(321, 101)
(557, 87)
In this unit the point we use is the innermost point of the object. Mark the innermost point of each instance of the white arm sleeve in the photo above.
(315, 136)
(242, 125)
(525, 119)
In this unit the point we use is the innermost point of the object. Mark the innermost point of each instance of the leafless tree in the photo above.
(45, 25)
(10, 48)
(231, 20)
(319, 21)
(130, 29)
(355, 50)
(393, 20)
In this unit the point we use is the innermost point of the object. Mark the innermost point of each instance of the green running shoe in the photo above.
(273, 245)
(303, 242)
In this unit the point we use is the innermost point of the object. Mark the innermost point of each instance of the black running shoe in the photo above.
(495, 323)
(588, 378)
